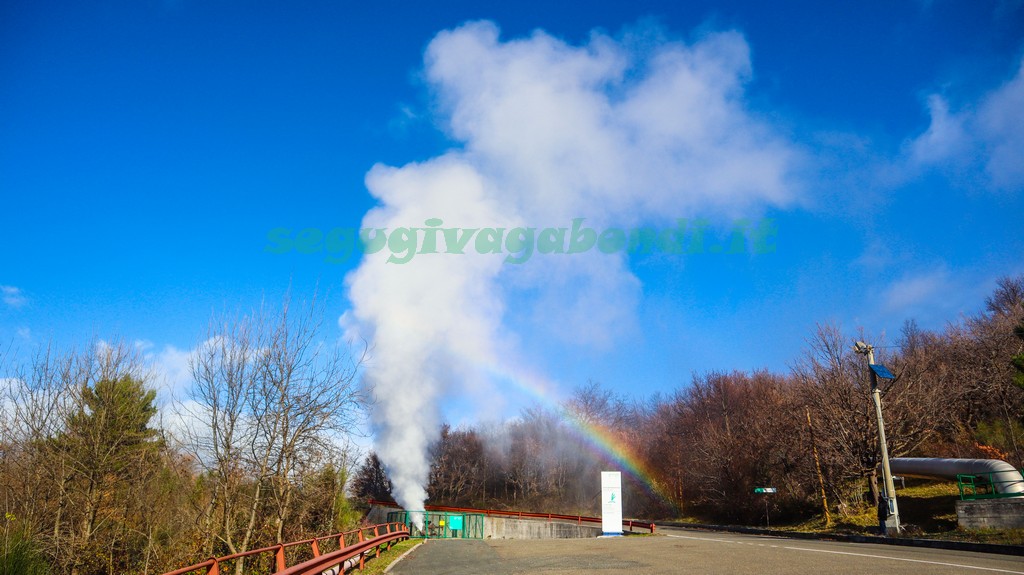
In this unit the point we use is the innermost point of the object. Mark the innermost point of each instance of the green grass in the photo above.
(19, 556)
(997, 536)
(926, 508)
(929, 506)
(378, 565)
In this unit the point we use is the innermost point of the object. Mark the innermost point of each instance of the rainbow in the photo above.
(599, 440)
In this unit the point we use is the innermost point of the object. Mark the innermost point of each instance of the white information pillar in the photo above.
(611, 502)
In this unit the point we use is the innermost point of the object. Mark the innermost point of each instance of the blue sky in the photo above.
(148, 148)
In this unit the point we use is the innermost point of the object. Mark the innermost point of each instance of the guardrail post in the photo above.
(316, 549)
(361, 536)
(279, 556)
(652, 528)
(362, 561)
(214, 569)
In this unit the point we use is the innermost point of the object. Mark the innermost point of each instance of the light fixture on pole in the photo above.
(892, 522)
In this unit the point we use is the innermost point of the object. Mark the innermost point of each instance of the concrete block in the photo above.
(991, 513)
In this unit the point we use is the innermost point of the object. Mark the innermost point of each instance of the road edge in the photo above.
(850, 538)
(402, 556)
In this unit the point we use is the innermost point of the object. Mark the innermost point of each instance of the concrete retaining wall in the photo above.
(378, 514)
(991, 513)
(513, 528)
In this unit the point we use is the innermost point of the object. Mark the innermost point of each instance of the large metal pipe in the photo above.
(1006, 479)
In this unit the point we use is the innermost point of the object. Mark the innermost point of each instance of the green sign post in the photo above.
(766, 491)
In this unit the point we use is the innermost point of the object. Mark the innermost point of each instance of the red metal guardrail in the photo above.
(363, 544)
(579, 519)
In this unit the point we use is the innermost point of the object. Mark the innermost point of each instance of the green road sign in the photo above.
(764, 490)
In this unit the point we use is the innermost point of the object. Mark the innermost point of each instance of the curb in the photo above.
(906, 542)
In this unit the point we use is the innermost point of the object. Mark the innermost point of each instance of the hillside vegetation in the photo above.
(95, 479)
(811, 433)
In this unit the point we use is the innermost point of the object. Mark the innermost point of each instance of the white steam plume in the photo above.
(625, 131)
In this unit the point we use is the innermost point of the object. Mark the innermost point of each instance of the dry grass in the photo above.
(997, 536)
(927, 509)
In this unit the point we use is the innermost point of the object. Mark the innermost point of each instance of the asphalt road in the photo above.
(683, 551)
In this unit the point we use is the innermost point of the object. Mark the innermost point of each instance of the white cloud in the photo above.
(1001, 124)
(573, 130)
(8, 409)
(548, 132)
(184, 419)
(934, 295)
(945, 138)
(169, 366)
(985, 139)
(13, 296)
(915, 290)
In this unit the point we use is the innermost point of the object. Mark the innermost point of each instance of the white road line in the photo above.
(860, 555)
(700, 538)
(909, 560)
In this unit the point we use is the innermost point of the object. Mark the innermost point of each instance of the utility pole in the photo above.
(817, 467)
(892, 523)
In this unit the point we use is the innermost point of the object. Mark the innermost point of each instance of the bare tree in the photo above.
(835, 386)
(217, 427)
(39, 396)
(271, 399)
(458, 459)
(306, 401)
(594, 405)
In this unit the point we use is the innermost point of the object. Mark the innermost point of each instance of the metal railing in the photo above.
(992, 485)
(628, 524)
(350, 544)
